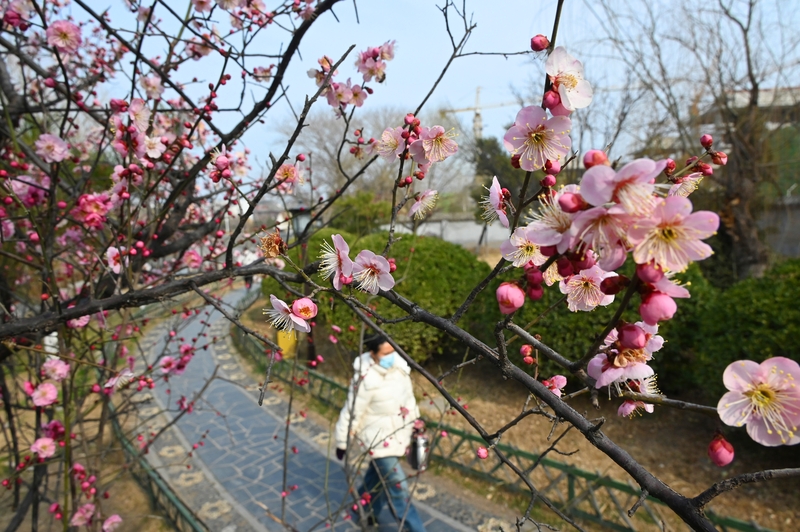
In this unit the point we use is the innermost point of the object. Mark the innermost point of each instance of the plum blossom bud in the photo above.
(706, 141)
(571, 202)
(548, 251)
(526, 350)
(539, 43)
(670, 168)
(552, 167)
(510, 297)
(595, 158)
(581, 261)
(657, 306)
(719, 158)
(564, 267)
(301, 157)
(631, 336)
(650, 272)
(551, 99)
(535, 292)
(222, 163)
(720, 451)
(529, 360)
(613, 285)
(533, 274)
(515, 161)
(392, 265)
(483, 452)
(548, 181)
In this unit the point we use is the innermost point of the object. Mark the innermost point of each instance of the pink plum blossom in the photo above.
(433, 145)
(305, 308)
(520, 248)
(192, 259)
(423, 204)
(64, 36)
(629, 408)
(114, 259)
(44, 447)
(604, 230)
(510, 297)
(555, 384)
(83, 516)
(111, 524)
(583, 289)
(152, 86)
(54, 429)
(372, 272)
(55, 369)
(167, 364)
(686, 185)
(91, 209)
(154, 148)
(765, 397)
(619, 365)
(537, 139)
(51, 149)
(282, 317)
(391, 144)
(671, 236)
(45, 394)
(140, 114)
(118, 381)
(79, 323)
(632, 187)
(566, 76)
(494, 205)
(336, 261)
(551, 225)
(288, 176)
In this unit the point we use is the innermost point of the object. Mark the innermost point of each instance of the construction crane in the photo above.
(477, 120)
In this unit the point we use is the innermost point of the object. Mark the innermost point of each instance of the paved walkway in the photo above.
(234, 480)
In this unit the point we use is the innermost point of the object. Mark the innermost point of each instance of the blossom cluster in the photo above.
(370, 63)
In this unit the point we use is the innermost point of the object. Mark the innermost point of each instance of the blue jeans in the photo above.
(386, 475)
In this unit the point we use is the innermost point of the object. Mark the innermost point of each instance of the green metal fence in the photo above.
(582, 494)
(158, 490)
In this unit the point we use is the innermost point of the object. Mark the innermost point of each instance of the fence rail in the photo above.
(582, 494)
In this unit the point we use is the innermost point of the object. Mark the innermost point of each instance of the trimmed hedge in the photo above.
(435, 274)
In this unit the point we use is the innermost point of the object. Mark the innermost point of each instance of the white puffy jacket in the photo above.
(381, 404)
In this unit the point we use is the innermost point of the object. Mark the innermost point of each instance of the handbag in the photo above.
(419, 450)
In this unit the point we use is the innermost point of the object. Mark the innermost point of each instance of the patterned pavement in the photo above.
(234, 480)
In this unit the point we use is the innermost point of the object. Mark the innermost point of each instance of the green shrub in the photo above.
(755, 319)
(435, 274)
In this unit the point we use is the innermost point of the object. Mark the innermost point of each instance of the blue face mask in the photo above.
(387, 361)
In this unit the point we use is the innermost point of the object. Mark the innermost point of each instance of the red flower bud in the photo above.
(631, 336)
(526, 350)
(613, 285)
(719, 158)
(571, 202)
(706, 141)
(551, 99)
(650, 272)
(552, 167)
(595, 158)
(539, 43)
(515, 161)
(548, 181)
(720, 451)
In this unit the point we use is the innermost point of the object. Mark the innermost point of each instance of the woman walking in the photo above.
(379, 418)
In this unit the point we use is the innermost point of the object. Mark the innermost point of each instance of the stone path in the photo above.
(234, 480)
